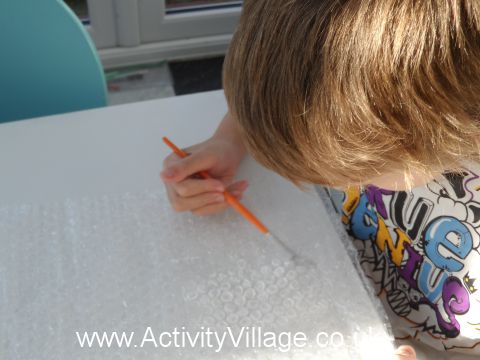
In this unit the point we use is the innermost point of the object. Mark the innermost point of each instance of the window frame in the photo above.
(102, 23)
(132, 32)
(156, 25)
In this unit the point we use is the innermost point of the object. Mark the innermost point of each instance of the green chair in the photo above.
(48, 63)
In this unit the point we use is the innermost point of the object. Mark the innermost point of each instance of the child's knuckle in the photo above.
(182, 190)
(167, 161)
(178, 206)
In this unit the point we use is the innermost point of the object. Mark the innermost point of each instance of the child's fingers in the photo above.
(178, 170)
(239, 186)
(210, 209)
(405, 352)
(181, 204)
(214, 208)
(192, 187)
(235, 189)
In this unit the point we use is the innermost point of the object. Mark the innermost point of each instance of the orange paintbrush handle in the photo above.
(229, 198)
(247, 214)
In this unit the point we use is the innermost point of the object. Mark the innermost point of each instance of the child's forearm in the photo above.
(228, 131)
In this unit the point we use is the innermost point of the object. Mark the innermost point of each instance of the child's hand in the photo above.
(405, 352)
(187, 192)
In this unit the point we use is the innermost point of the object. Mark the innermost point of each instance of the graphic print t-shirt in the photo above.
(421, 251)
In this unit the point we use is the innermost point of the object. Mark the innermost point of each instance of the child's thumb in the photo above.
(405, 352)
(188, 166)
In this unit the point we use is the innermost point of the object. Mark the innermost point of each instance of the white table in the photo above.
(110, 150)
(57, 278)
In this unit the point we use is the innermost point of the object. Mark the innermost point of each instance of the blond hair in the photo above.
(336, 92)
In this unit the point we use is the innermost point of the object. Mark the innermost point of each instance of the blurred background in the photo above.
(159, 48)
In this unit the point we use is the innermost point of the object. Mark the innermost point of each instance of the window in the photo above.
(80, 8)
(129, 32)
(177, 6)
(182, 19)
(99, 19)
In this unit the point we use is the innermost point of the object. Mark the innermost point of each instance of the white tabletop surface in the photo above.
(82, 202)
(101, 151)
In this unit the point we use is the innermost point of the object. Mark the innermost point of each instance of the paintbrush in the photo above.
(236, 204)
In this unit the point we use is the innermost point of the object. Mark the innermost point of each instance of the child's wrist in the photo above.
(228, 131)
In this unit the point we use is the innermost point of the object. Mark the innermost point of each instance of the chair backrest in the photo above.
(48, 63)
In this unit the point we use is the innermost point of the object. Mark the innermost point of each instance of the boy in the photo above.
(380, 99)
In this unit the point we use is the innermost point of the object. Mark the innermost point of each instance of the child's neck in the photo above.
(396, 180)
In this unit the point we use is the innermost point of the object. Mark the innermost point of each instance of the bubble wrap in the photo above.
(127, 262)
